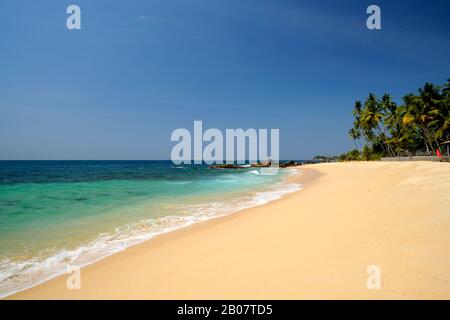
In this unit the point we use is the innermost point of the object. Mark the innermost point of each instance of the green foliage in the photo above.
(321, 158)
(353, 155)
(369, 154)
(419, 125)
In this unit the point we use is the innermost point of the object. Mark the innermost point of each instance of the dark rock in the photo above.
(238, 166)
(226, 166)
(289, 164)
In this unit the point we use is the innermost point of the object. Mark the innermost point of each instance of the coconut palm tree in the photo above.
(423, 120)
(372, 118)
(355, 135)
(355, 132)
(440, 124)
(389, 110)
(417, 114)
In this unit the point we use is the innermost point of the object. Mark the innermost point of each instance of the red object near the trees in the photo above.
(438, 153)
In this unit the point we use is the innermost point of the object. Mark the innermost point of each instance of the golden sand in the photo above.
(315, 243)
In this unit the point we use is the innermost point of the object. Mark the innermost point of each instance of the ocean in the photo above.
(60, 214)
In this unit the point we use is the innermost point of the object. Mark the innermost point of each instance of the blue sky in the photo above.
(139, 69)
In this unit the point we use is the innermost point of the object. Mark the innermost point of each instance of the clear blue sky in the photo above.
(139, 69)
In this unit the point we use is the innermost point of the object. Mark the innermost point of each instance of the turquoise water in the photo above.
(55, 214)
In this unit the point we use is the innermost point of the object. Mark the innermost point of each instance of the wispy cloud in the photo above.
(149, 19)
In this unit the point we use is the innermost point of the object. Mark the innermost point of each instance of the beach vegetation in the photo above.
(322, 158)
(419, 125)
(353, 155)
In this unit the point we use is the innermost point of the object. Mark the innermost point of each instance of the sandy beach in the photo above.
(316, 243)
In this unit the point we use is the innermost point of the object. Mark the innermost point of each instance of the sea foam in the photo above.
(16, 276)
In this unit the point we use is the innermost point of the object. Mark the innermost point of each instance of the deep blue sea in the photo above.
(56, 214)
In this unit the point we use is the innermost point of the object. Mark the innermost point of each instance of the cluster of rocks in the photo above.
(255, 165)
(227, 166)
(289, 164)
(242, 166)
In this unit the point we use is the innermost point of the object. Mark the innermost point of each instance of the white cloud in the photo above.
(151, 19)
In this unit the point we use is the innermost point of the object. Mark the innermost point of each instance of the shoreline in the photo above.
(299, 246)
(289, 180)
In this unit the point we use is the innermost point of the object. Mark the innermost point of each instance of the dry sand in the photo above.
(315, 243)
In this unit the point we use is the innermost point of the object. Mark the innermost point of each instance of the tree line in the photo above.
(419, 125)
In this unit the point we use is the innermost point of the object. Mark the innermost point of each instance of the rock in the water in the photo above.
(289, 164)
(238, 166)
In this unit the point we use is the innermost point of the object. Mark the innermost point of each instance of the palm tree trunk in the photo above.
(387, 149)
(428, 141)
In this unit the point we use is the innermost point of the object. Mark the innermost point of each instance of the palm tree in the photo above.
(399, 135)
(372, 117)
(440, 125)
(417, 115)
(446, 88)
(355, 132)
(389, 109)
(423, 120)
(355, 135)
(421, 110)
